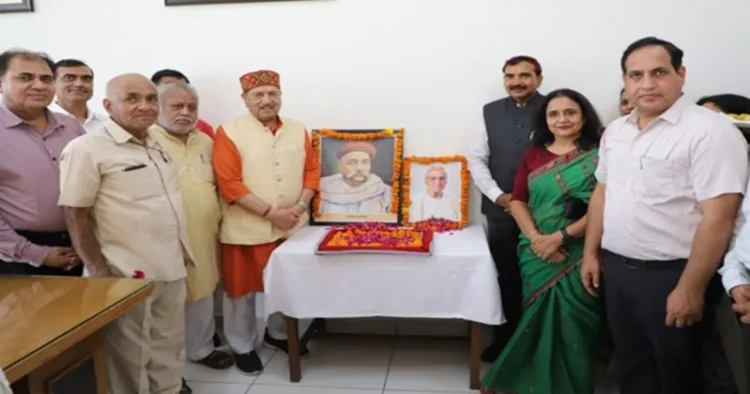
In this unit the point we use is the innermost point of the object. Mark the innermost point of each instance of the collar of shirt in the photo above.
(121, 136)
(158, 129)
(9, 119)
(90, 115)
(534, 97)
(672, 115)
(273, 129)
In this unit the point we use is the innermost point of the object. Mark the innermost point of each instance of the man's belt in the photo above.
(47, 238)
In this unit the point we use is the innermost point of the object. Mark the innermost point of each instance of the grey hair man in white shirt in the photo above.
(670, 180)
(74, 87)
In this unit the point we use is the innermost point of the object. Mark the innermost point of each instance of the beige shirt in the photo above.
(137, 209)
(656, 177)
(193, 161)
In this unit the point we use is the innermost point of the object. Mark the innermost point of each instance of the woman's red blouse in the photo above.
(534, 158)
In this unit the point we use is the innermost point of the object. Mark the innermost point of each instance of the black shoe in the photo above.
(217, 360)
(492, 352)
(217, 340)
(185, 389)
(248, 363)
(282, 345)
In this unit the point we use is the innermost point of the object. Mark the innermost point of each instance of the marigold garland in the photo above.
(397, 134)
(436, 225)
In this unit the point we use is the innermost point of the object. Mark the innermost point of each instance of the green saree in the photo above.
(554, 348)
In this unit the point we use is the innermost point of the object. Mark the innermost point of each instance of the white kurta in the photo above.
(424, 207)
(337, 196)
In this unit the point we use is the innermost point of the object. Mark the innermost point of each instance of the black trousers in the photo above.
(651, 357)
(60, 239)
(503, 241)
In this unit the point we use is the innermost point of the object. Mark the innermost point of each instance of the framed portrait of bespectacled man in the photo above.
(7, 6)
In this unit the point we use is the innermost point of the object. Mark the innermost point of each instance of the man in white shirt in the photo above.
(74, 87)
(497, 145)
(434, 202)
(670, 179)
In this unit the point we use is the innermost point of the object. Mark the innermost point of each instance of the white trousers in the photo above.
(241, 326)
(200, 327)
(143, 346)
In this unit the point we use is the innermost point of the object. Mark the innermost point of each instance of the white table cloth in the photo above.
(458, 281)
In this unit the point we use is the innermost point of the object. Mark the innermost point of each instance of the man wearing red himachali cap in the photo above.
(266, 172)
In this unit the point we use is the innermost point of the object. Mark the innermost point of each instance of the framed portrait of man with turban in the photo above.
(360, 176)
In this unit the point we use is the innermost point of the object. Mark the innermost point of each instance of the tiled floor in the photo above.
(351, 365)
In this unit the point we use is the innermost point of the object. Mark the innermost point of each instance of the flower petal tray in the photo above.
(390, 240)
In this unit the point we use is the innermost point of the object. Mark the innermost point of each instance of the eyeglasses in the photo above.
(257, 96)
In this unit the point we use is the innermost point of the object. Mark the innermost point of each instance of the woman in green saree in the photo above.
(555, 347)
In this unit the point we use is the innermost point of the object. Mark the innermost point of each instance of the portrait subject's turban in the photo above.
(357, 146)
(259, 78)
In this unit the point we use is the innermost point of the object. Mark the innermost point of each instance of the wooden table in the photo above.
(50, 325)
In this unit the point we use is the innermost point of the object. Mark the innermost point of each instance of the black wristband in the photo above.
(566, 236)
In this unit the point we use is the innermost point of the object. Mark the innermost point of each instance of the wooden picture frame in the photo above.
(209, 2)
(360, 176)
(446, 177)
(8, 6)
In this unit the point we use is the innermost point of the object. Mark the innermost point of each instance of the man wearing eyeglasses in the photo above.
(33, 236)
(126, 218)
(266, 172)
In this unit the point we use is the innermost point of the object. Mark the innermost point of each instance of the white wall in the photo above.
(425, 65)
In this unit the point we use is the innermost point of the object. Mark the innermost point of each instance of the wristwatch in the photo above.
(566, 236)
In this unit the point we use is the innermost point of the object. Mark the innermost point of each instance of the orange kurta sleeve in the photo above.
(228, 168)
(311, 179)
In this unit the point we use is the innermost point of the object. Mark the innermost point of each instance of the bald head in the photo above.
(132, 101)
(123, 81)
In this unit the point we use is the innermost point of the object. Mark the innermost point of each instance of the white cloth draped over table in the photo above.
(458, 281)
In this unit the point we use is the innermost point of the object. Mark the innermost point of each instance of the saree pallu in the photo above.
(554, 349)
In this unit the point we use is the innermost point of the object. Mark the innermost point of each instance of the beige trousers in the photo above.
(143, 346)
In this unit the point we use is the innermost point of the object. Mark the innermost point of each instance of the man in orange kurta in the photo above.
(267, 175)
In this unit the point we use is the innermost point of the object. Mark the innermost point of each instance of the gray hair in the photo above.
(168, 87)
(11, 54)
